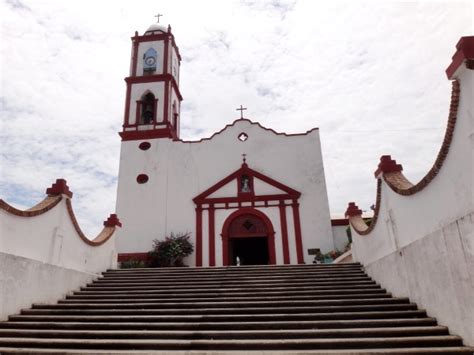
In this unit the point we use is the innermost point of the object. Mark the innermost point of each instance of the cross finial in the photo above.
(241, 109)
(243, 158)
(158, 17)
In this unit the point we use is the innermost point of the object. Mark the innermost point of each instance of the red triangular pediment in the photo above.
(278, 191)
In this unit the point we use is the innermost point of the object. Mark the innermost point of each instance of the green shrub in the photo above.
(171, 251)
(132, 264)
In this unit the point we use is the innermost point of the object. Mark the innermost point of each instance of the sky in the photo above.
(369, 74)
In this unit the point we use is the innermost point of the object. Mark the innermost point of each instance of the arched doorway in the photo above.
(248, 234)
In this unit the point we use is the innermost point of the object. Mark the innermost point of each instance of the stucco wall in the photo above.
(44, 254)
(436, 272)
(25, 281)
(179, 171)
(421, 243)
(51, 238)
(339, 234)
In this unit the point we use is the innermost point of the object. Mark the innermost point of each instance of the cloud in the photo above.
(369, 74)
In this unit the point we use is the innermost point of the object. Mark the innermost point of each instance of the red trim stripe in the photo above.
(199, 236)
(298, 239)
(212, 236)
(284, 233)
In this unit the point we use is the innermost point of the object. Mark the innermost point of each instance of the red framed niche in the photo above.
(248, 223)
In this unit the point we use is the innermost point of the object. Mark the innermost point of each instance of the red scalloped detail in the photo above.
(353, 210)
(464, 53)
(251, 122)
(44, 206)
(112, 221)
(387, 165)
(442, 154)
(59, 188)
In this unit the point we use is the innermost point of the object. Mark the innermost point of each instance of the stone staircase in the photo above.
(323, 309)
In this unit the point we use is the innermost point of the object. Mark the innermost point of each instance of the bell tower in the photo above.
(153, 100)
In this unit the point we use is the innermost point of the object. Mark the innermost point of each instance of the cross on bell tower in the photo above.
(158, 17)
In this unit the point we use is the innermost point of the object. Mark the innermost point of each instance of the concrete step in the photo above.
(229, 284)
(226, 334)
(224, 317)
(245, 268)
(198, 297)
(236, 344)
(221, 325)
(222, 303)
(232, 290)
(154, 280)
(222, 310)
(451, 350)
(243, 276)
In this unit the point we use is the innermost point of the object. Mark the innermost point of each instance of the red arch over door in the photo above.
(270, 233)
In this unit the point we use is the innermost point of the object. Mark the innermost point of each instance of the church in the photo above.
(247, 193)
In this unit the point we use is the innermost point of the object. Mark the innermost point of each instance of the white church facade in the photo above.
(246, 191)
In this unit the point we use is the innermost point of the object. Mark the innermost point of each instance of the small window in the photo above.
(142, 178)
(144, 145)
(243, 137)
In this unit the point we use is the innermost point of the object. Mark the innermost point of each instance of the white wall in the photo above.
(43, 257)
(179, 171)
(339, 235)
(51, 238)
(25, 281)
(422, 245)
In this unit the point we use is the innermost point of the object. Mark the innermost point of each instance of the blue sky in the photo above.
(369, 74)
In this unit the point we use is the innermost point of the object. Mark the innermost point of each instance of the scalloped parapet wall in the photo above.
(420, 242)
(49, 232)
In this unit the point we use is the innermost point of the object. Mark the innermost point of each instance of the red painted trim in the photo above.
(112, 221)
(42, 207)
(126, 119)
(387, 165)
(353, 210)
(135, 54)
(155, 78)
(298, 239)
(270, 233)
(59, 188)
(339, 222)
(284, 233)
(150, 38)
(166, 55)
(465, 51)
(121, 257)
(245, 197)
(212, 237)
(176, 48)
(166, 103)
(148, 134)
(253, 123)
(198, 236)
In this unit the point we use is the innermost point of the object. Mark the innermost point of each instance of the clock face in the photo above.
(150, 61)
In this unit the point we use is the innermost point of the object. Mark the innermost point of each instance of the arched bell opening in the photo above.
(148, 109)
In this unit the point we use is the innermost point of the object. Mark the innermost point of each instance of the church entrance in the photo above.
(248, 251)
(248, 237)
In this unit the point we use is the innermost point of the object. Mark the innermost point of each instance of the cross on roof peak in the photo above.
(241, 109)
(158, 17)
